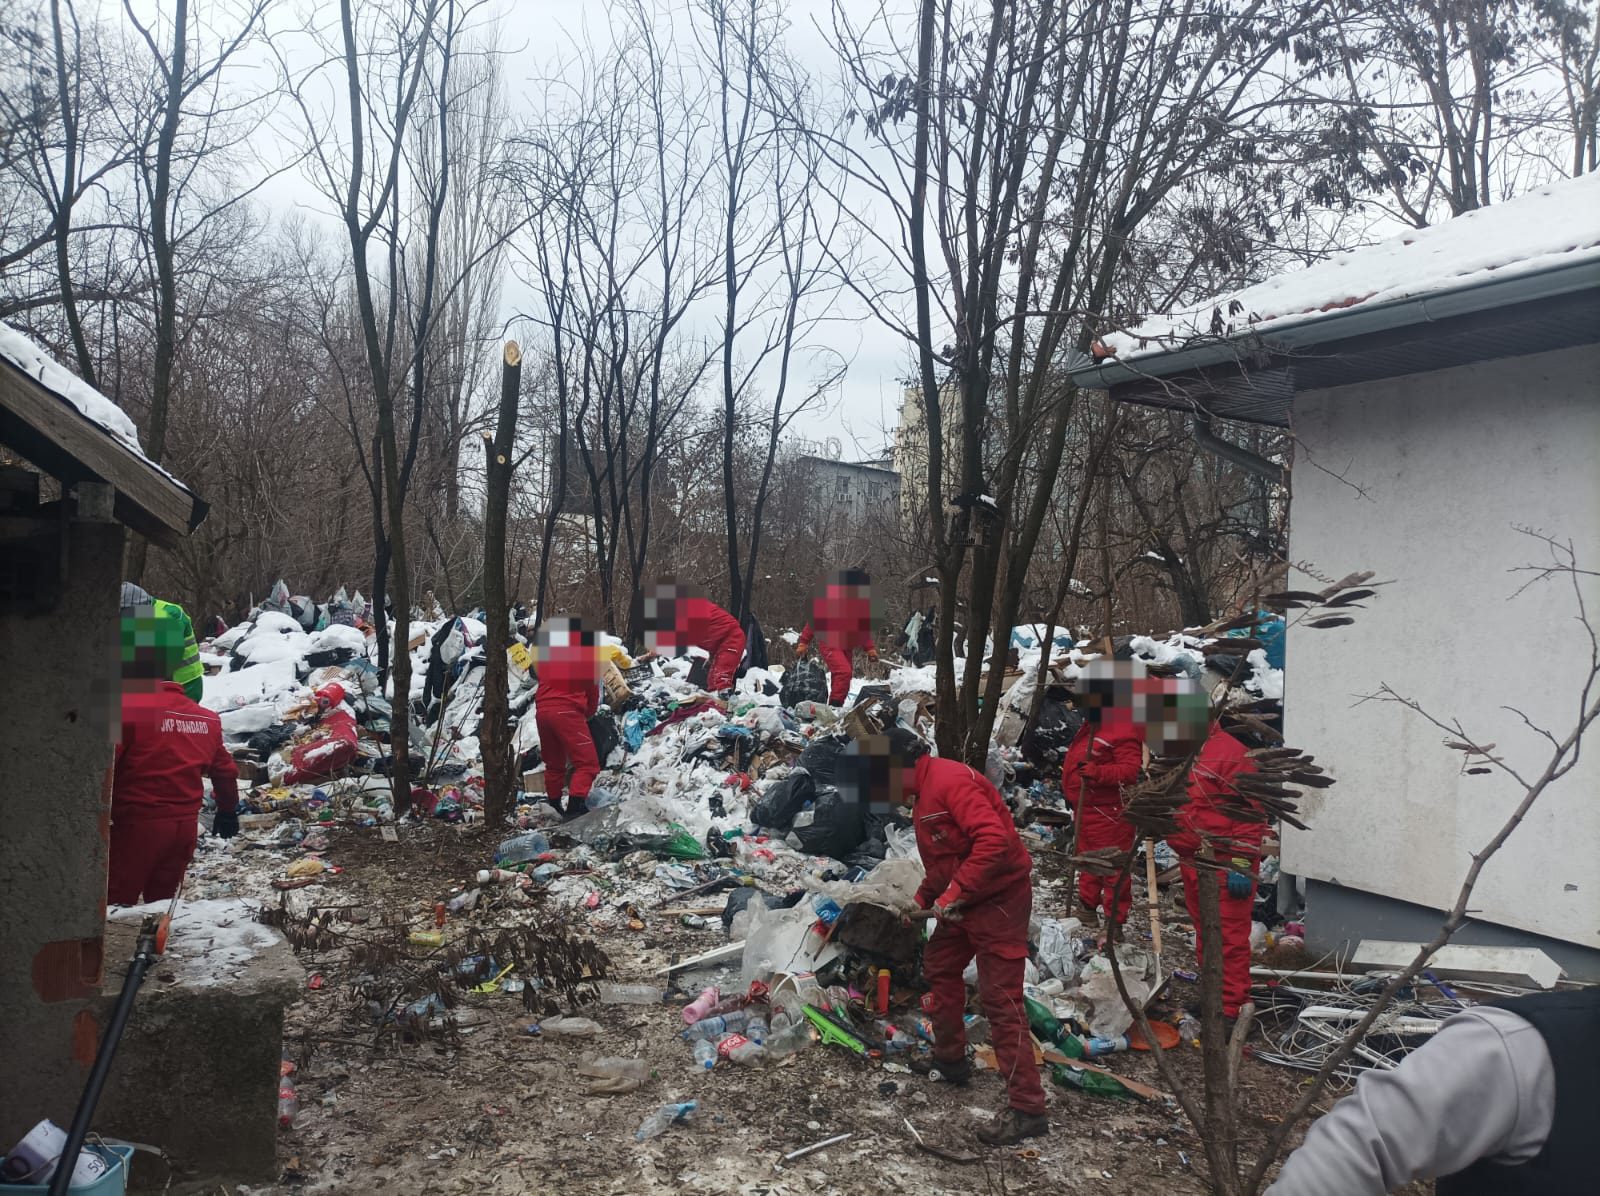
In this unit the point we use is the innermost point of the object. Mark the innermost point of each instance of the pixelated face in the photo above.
(1110, 689)
(152, 645)
(869, 773)
(662, 605)
(564, 650)
(844, 605)
(1176, 713)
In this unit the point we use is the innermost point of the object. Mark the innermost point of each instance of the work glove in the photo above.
(950, 912)
(872, 655)
(800, 651)
(1239, 880)
(225, 825)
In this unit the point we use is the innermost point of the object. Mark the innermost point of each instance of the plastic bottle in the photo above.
(631, 994)
(705, 1054)
(700, 1006)
(288, 1103)
(1044, 1022)
(1189, 1029)
(519, 849)
(571, 1027)
(1095, 1047)
(741, 1050)
(715, 1027)
(728, 1004)
(787, 1039)
(756, 1029)
(463, 902)
(656, 1124)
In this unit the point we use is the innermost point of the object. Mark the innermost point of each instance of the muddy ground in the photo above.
(499, 1111)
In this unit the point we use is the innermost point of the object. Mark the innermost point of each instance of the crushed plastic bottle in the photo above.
(631, 994)
(740, 1050)
(463, 902)
(1189, 1029)
(715, 1027)
(656, 1124)
(705, 1054)
(756, 1029)
(1094, 1048)
(571, 1027)
(520, 849)
(701, 1005)
(787, 1039)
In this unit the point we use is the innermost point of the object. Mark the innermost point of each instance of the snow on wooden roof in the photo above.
(68, 428)
(1548, 228)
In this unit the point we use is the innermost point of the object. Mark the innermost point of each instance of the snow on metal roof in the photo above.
(39, 365)
(1550, 227)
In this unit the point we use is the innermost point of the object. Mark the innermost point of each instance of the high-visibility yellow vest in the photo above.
(190, 673)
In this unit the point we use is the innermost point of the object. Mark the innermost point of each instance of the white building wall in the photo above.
(1448, 465)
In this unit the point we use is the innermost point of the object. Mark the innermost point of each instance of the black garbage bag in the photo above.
(263, 743)
(836, 828)
(1047, 743)
(329, 656)
(777, 807)
(804, 681)
(821, 759)
(877, 933)
(700, 671)
(603, 730)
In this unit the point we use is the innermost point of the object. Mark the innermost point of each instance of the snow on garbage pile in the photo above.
(1552, 226)
(248, 687)
(33, 361)
(210, 941)
(336, 636)
(913, 681)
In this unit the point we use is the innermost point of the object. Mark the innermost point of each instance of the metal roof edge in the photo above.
(1352, 322)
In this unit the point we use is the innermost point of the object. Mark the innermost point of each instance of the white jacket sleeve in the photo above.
(1483, 1087)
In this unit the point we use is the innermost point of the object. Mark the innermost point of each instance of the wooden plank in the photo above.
(718, 955)
(138, 483)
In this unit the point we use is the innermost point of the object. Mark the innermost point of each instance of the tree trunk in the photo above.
(494, 731)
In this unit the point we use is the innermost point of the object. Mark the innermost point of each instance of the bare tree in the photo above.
(1040, 142)
(499, 452)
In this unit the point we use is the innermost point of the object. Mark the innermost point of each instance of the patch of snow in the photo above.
(266, 682)
(32, 360)
(247, 720)
(210, 941)
(339, 636)
(913, 681)
(1549, 227)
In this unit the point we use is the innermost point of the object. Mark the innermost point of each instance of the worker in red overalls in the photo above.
(978, 884)
(1211, 817)
(676, 619)
(1106, 754)
(841, 622)
(567, 657)
(168, 744)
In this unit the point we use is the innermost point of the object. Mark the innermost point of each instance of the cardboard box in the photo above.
(616, 687)
(533, 782)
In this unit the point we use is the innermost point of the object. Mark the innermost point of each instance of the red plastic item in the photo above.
(438, 913)
(883, 990)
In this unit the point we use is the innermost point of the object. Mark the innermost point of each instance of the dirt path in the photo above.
(501, 1111)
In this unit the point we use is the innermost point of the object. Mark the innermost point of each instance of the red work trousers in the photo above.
(996, 931)
(1237, 914)
(725, 655)
(1099, 828)
(840, 672)
(149, 856)
(564, 741)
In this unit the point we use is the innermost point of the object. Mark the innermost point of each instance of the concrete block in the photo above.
(1527, 966)
(197, 1070)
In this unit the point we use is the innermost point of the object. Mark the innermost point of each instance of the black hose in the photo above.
(144, 956)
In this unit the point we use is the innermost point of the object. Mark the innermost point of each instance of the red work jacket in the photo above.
(169, 742)
(701, 623)
(1211, 790)
(1095, 777)
(968, 842)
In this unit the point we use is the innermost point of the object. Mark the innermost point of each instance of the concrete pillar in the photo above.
(58, 702)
